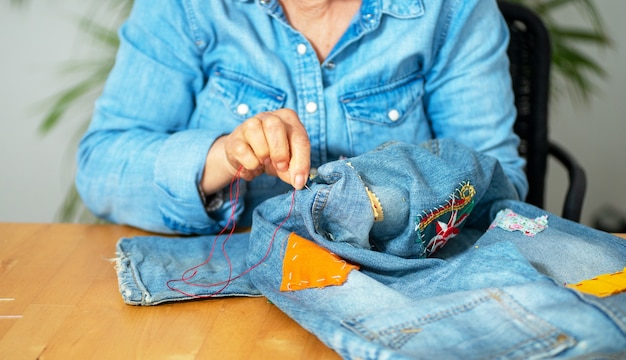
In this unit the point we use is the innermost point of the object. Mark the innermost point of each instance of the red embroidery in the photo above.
(442, 224)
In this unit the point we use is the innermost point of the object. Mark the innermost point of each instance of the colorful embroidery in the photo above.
(603, 285)
(438, 226)
(508, 220)
(307, 265)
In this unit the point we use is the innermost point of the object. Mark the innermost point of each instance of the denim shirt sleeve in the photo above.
(139, 162)
(468, 91)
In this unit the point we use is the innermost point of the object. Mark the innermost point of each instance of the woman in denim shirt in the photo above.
(277, 88)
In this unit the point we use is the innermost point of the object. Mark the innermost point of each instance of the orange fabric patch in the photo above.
(603, 285)
(307, 265)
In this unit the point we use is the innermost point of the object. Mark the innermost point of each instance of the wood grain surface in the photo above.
(59, 299)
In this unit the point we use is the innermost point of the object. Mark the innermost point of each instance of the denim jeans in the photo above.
(443, 271)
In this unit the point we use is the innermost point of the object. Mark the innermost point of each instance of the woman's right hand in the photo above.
(274, 143)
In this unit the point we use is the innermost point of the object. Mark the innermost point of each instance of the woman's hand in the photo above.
(275, 143)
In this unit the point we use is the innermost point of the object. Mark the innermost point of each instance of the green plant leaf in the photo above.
(578, 61)
(102, 34)
(576, 67)
(548, 5)
(576, 35)
(572, 69)
(66, 100)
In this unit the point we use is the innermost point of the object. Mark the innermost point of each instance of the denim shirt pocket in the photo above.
(391, 111)
(243, 95)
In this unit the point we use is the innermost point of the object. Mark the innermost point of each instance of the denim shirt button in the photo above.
(311, 107)
(369, 18)
(393, 115)
(330, 65)
(301, 49)
(243, 109)
(265, 2)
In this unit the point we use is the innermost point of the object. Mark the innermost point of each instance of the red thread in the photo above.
(186, 276)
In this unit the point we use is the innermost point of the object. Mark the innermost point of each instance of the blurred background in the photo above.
(44, 46)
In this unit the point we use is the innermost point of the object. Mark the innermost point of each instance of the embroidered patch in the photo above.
(603, 285)
(437, 226)
(307, 265)
(508, 220)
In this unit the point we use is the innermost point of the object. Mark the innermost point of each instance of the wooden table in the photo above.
(59, 300)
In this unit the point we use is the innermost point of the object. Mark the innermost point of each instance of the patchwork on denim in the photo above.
(603, 285)
(435, 227)
(307, 265)
(507, 219)
(501, 294)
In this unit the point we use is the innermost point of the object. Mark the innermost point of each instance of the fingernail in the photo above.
(299, 182)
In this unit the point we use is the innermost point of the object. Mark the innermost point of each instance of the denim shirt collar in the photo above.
(370, 13)
(397, 8)
(400, 8)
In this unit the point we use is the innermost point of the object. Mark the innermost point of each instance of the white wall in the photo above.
(36, 170)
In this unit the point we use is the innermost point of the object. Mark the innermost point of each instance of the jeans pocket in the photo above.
(484, 324)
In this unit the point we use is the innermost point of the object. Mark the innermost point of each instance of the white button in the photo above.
(301, 49)
(243, 109)
(394, 115)
(311, 107)
(369, 18)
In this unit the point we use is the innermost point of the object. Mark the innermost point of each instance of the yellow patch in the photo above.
(377, 208)
(603, 285)
(307, 265)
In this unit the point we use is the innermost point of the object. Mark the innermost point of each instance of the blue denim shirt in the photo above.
(190, 71)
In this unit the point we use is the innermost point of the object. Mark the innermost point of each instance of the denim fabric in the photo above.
(190, 71)
(146, 264)
(490, 293)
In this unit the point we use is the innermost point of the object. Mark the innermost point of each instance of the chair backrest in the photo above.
(530, 59)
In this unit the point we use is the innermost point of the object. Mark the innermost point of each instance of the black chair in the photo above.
(530, 57)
